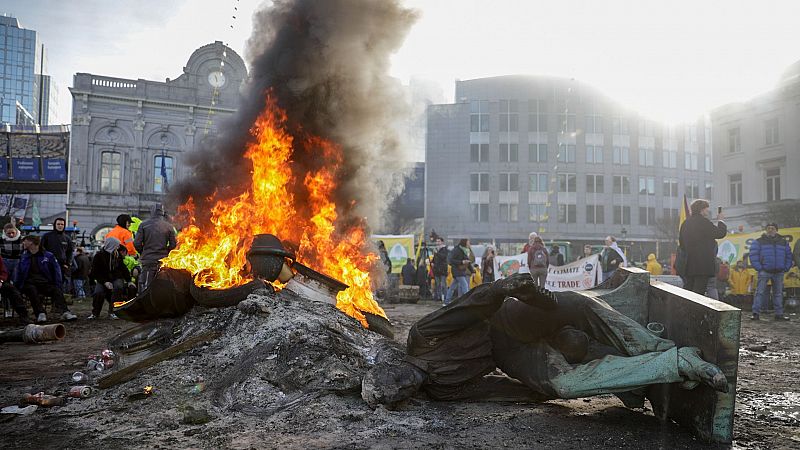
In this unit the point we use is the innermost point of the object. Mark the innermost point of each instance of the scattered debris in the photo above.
(131, 371)
(43, 399)
(193, 416)
(14, 409)
(34, 334)
(80, 392)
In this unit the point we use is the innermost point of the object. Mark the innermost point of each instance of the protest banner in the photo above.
(576, 276)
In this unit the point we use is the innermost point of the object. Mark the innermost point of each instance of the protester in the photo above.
(387, 263)
(155, 238)
(111, 275)
(408, 274)
(711, 286)
(423, 279)
(741, 283)
(653, 266)
(476, 277)
(487, 264)
(11, 248)
(556, 257)
(460, 260)
(440, 269)
(538, 261)
(80, 276)
(59, 243)
(533, 235)
(7, 290)
(722, 278)
(697, 239)
(611, 258)
(121, 233)
(796, 253)
(771, 256)
(39, 273)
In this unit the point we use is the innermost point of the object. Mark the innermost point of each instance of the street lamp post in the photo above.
(623, 232)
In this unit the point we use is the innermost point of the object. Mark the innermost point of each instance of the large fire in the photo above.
(214, 251)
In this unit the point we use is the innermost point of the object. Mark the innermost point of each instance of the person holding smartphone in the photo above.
(698, 238)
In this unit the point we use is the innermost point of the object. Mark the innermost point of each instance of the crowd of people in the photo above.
(451, 272)
(36, 268)
(770, 257)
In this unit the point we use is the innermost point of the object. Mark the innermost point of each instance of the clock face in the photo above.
(216, 79)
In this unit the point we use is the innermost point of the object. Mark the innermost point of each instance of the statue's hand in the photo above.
(522, 287)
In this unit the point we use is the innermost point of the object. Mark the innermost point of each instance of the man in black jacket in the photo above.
(154, 239)
(698, 239)
(111, 275)
(60, 245)
(440, 270)
(409, 273)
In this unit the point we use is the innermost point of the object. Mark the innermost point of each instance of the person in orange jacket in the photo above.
(122, 233)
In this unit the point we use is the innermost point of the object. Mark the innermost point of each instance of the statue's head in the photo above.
(391, 383)
(572, 343)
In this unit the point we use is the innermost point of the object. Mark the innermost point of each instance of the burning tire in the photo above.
(213, 298)
(166, 297)
(379, 325)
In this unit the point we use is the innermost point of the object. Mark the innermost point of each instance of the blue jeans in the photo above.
(79, 291)
(441, 287)
(11, 267)
(461, 284)
(761, 292)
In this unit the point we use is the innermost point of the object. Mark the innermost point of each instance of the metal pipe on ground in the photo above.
(35, 334)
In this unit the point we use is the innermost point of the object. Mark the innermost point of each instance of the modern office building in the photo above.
(517, 154)
(21, 63)
(130, 136)
(757, 156)
(46, 88)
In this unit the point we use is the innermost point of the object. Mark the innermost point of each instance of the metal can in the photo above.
(80, 377)
(94, 364)
(80, 391)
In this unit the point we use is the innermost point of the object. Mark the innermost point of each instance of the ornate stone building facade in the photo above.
(130, 137)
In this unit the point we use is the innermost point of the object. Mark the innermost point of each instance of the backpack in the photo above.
(539, 258)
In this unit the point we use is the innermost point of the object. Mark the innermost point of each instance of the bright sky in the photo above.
(672, 60)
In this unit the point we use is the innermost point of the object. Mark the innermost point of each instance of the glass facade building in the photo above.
(19, 53)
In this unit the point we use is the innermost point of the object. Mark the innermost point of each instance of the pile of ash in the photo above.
(272, 351)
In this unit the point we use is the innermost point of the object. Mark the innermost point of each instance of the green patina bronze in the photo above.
(689, 319)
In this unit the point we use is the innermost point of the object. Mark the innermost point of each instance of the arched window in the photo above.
(110, 172)
(163, 174)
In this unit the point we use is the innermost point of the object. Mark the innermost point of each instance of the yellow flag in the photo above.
(684, 213)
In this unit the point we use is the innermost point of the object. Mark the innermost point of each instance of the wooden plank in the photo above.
(127, 373)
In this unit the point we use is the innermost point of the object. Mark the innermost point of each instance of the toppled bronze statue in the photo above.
(552, 345)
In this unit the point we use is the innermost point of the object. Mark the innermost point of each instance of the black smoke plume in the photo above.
(326, 63)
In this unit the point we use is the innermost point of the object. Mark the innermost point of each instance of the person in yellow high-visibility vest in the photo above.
(741, 283)
(476, 278)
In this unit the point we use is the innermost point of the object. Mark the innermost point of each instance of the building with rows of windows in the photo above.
(757, 156)
(129, 136)
(517, 154)
(21, 84)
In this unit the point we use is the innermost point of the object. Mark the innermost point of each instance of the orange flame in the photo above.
(214, 252)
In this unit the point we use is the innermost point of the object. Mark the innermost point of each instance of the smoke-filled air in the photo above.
(326, 65)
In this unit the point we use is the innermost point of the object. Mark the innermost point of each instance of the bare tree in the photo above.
(667, 228)
(786, 213)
